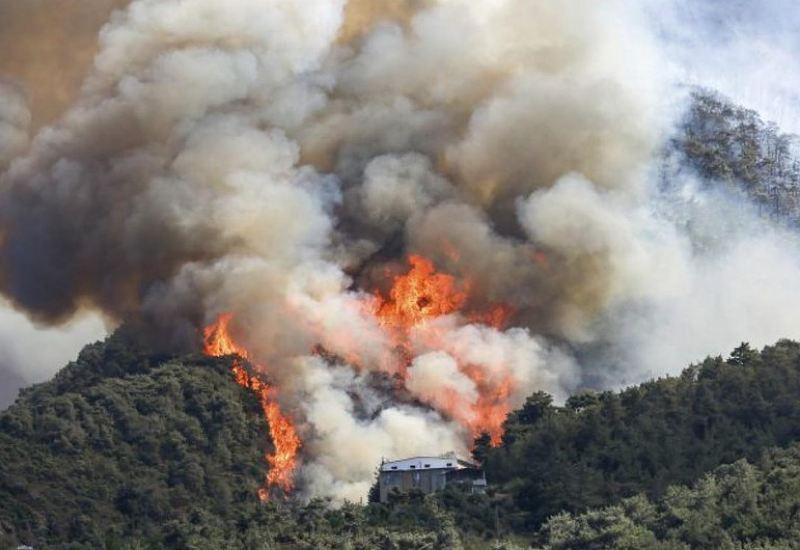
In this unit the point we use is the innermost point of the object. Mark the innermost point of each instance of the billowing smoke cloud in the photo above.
(731, 279)
(343, 450)
(279, 160)
(47, 48)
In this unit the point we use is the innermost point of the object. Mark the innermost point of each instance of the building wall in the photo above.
(427, 481)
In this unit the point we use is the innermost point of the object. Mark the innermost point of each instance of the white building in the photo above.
(429, 474)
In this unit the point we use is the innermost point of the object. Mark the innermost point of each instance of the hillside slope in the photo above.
(742, 505)
(731, 147)
(600, 448)
(120, 443)
(124, 449)
(127, 450)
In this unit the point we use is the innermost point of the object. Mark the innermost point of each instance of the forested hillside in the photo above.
(742, 505)
(122, 443)
(728, 144)
(599, 448)
(128, 450)
(124, 449)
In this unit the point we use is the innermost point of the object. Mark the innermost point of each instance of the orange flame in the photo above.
(419, 295)
(423, 294)
(492, 409)
(283, 462)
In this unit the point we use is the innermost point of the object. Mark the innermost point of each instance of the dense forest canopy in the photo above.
(599, 448)
(743, 505)
(124, 449)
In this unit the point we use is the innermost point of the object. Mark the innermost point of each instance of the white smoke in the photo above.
(730, 279)
(398, 187)
(435, 379)
(345, 450)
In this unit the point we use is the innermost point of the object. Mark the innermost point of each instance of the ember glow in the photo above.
(283, 461)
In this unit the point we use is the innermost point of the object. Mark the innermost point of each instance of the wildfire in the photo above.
(415, 297)
(422, 294)
(282, 463)
(217, 341)
(419, 295)
(491, 410)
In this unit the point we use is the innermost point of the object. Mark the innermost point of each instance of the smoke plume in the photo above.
(284, 160)
(48, 45)
(15, 120)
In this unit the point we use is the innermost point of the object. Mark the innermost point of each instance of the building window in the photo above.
(413, 467)
(427, 465)
(394, 467)
(449, 463)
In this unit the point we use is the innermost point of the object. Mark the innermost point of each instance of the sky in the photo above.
(746, 49)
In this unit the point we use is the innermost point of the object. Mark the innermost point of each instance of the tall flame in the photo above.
(283, 461)
(421, 295)
(416, 297)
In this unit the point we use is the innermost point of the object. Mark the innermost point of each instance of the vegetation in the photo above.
(601, 448)
(122, 443)
(740, 506)
(126, 450)
(730, 144)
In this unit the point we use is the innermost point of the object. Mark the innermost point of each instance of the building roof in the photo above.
(444, 462)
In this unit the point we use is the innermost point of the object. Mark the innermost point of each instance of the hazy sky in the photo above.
(30, 354)
(747, 49)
